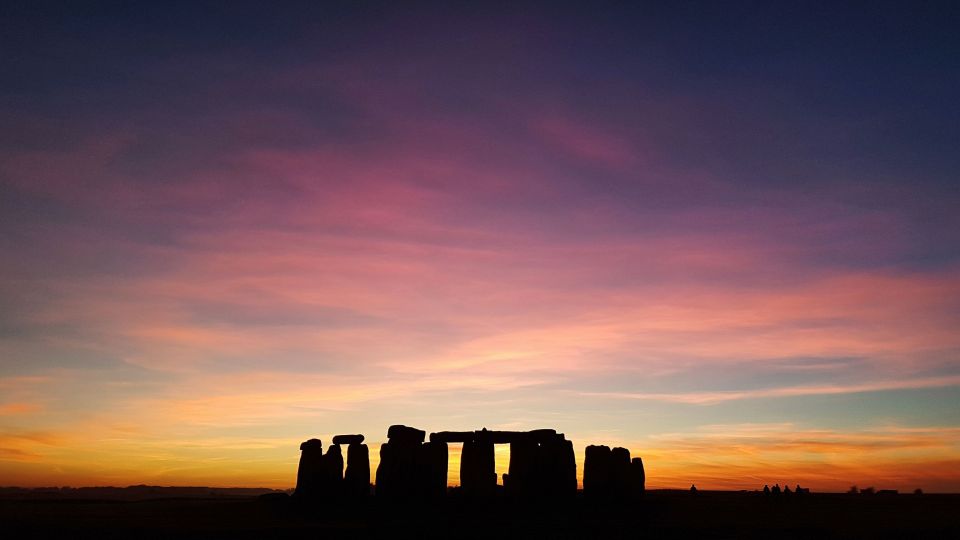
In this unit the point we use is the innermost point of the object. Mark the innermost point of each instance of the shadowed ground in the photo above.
(663, 514)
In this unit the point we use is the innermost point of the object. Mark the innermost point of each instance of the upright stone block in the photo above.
(431, 474)
(638, 477)
(397, 473)
(568, 469)
(310, 472)
(439, 465)
(385, 471)
(620, 472)
(558, 468)
(596, 471)
(487, 468)
(357, 477)
(478, 476)
(333, 471)
(468, 467)
(404, 476)
(523, 468)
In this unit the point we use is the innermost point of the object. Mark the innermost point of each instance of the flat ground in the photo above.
(661, 514)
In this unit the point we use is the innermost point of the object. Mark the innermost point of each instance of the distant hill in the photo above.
(130, 493)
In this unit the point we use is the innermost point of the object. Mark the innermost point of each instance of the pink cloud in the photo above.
(708, 398)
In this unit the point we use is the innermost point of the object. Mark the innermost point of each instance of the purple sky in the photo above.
(724, 236)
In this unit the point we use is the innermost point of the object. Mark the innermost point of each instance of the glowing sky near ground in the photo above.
(724, 237)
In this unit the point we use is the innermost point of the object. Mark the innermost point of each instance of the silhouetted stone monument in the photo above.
(521, 478)
(357, 478)
(542, 466)
(567, 469)
(431, 474)
(542, 462)
(384, 471)
(401, 434)
(333, 472)
(596, 471)
(310, 472)
(556, 468)
(478, 476)
(620, 472)
(397, 472)
(638, 477)
(347, 439)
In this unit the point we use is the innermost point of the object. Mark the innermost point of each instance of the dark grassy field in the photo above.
(662, 514)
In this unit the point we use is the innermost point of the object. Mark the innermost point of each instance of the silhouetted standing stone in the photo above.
(404, 476)
(478, 475)
(620, 472)
(468, 466)
(385, 470)
(310, 472)
(567, 468)
(439, 464)
(333, 471)
(397, 472)
(487, 467)
(556, 468)
(357, 477)
(596, 471)
(431, 473)
(522, 469)
(638, 477)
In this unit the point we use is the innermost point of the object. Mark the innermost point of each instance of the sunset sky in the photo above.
(725, 236)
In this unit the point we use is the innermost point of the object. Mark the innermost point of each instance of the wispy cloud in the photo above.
(18, 408)
(709, 398)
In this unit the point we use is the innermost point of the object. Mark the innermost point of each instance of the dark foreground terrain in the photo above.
(661, 514)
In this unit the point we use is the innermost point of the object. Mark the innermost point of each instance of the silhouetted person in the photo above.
(766, 489)
(786, 490)
(693, 488)
(776, 489)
